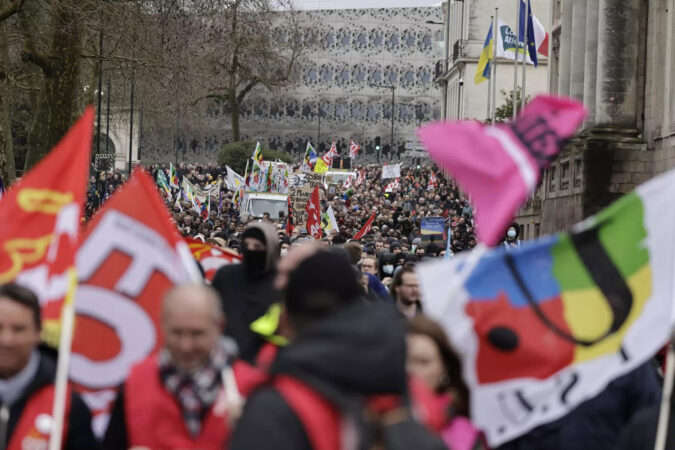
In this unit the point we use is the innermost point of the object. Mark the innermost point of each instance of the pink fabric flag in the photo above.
(500, 166)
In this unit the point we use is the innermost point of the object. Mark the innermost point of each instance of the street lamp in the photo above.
(393, 91)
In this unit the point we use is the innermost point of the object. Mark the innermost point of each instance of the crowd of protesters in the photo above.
(304, 345)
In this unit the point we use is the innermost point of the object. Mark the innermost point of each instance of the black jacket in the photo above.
(245, 298)
(80, 435)
(356, 352)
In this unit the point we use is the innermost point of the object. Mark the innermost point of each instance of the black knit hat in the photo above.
(321, 284)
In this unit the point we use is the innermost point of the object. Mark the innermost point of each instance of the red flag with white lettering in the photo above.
(366, 228)
(130, 256)
(313, 209)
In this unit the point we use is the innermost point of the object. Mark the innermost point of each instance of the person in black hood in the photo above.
(246, 290)
(342, 350)
(27, 374)
(387, 264)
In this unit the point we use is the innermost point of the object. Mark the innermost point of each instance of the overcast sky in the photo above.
(358, 4)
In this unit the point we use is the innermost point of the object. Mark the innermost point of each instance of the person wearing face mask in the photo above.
(246, 290)
(512, 234)
(386, 266)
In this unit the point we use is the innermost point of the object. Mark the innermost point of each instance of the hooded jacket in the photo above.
(353, 353)
(245, 294)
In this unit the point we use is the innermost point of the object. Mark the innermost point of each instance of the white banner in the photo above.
(392, 171)
(507, 44)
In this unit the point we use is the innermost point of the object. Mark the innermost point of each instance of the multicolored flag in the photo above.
(545, 326)
(309, 159)
(538, 37)
(328, 222)
(366, 228)
(211, 257)
(163, 183)
(173, 177)
(40, 225)
(353, 148)
(500, 166)
(313, 209)
(257, 153)
(131, 255)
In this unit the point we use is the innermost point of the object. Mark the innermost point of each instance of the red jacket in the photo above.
(33, 427)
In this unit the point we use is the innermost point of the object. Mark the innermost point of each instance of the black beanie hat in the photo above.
(321, 284)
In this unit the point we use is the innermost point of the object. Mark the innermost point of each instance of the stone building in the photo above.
(617, 57)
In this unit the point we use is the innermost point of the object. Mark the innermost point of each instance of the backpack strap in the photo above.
(319, 418)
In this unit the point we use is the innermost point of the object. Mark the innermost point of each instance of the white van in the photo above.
(258, 203)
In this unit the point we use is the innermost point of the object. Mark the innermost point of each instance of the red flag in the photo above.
(289, 223)
(313, 209)
(328, 157)
(433, 182)
(366, 227)
(211, 257)
(130, 256)
(353, 148)
(40, 223)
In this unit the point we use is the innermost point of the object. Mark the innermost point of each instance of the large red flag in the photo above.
(211, 257)
(313, 209)
(130, 256)
(40, 223)
(366, 228)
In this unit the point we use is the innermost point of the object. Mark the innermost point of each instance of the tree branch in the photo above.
(39, 59)
(251, 84)
(9, 10)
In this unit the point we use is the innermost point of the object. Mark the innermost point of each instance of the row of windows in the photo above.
(358, 40)
(560, 175)
(358, 74)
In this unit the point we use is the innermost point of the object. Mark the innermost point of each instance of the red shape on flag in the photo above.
(313, 209)
(40, 222)
(366, 228)
(131, 254)
(211, 257)
(328, 157)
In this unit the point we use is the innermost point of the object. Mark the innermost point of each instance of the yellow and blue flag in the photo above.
(483, 70)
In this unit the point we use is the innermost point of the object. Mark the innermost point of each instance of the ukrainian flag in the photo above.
(483, 71)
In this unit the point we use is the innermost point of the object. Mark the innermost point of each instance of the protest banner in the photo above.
(432, 226)
(391, 171)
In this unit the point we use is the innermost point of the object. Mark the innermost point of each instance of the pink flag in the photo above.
(500, 166)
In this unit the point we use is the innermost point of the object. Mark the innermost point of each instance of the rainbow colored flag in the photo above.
(543, 327)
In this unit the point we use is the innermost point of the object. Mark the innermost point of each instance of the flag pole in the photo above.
(494, 67)
(664, 410)
(489, 85)
(526, 54)
(63, 362)
(515, 61)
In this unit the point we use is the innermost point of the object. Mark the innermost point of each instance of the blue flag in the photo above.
(531, 44)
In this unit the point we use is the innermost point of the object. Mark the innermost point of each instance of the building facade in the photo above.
(617, 57)
(468, 27)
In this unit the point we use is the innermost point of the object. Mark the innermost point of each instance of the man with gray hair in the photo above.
(181, 397)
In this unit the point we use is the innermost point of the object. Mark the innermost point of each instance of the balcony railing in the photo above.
(459, 49)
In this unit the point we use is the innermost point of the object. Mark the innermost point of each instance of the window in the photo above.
(564, 175)
(551, 178)
(577, 173)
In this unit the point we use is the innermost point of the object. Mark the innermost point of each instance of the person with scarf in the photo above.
(188, 394)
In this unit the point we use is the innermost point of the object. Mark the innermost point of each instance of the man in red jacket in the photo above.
(181, 397)
(27, 381)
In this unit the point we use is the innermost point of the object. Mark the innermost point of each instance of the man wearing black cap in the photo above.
(246, 290)
(343, 351)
